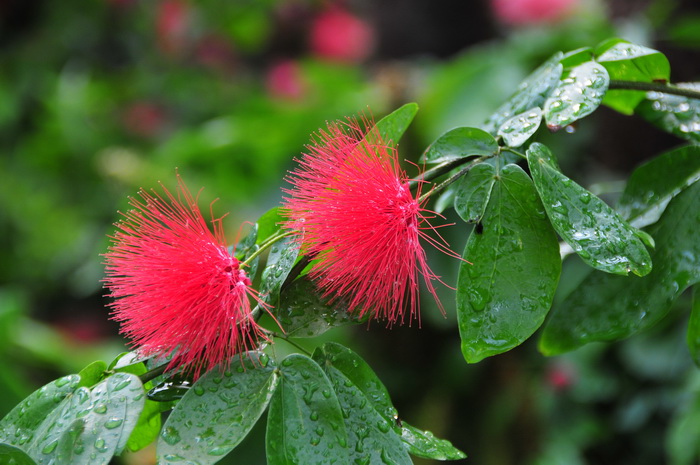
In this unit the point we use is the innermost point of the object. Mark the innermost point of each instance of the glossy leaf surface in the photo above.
(425, 444)
(605, 307)
(302, 312)
(594, 230)
(576, 96)
(92, 374)
(218, 412)
(505, 295)
(10, 455)
(282, 256)
(395, 124)
(459, 143)
(672, 113)
(305, 422)
(473, 192)
(268, 224)
(651, 187)
(371, 434)
(517, 130)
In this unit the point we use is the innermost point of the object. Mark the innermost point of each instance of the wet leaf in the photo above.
(459, 143)
(218, 412)
(693, 335)
(576, 57)
(607, 308)
(576, 96)
(517, 130)
(90, 426)
(394, 125)
(10, 455)
(371, 432)
(305, 423)
(92, 374)
(147, 426)
(473, 192)
(594, 230)
(672, 113)
(532, 92)
(19, 426)
(302, 312)
(268, 224)
(282, 256)
(651, 186)
(629, 62)
(505, 295)
(425, 444)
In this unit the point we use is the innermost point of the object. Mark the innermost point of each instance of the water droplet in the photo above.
(100, 445)
(100, 408)
(218, 451)
(199, 390)
(50, 447)
(121, 384)
(113, 423)
(170, 435)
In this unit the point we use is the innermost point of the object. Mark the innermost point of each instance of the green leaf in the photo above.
(693, 335)
(675, 114)
(651, 187)
(218, 412)
(576, 96)
(269, 224)
(424, 444)
(629, 62)
(147, 426)
(394, 125)
(19, 426)
(89, 427)
(594, 230)
(459, 143)
(92, 374)
(576, 57)
(532, 92)
(473, 192)
(305, 423)
(247, 247)
(607, 308)
(282, 256)
(505, 295)
(681, 442)
(170, 389)
(302, 312)
(517, 130)
(370, 419)
(10, 455)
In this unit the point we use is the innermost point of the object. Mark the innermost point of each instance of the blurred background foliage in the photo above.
(100, 98)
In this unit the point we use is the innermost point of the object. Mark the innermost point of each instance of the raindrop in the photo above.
(199, 390)
(100, 408)
(100, 445)
(113, 423)
(121, 385)
(170, 435)
(50, 447)
(219, 450)
(62, 381)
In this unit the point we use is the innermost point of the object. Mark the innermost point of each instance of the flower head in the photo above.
(352, 211)
(176, 286)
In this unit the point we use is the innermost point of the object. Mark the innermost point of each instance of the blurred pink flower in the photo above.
(172, 24)
(338, 35)
(284, 80)
(524, 12)
(352, 211)
(176, 286)
(144, 119)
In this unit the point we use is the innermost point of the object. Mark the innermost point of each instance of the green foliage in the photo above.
(459, 143)
(672, 113)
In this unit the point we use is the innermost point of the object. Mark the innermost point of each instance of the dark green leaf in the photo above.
(682, 435)
(672, 113)
(425, 444)
(93, 373)
(393, 125)
(170, 389)
(10, 455)
(268, 224)
(606, 307)
(302, 312)
(19, 426)
(305, 423)
(629, 62)
(89, 427)
(446, 199)
(282, 256)
(517, 130)
(247, 247)
(460, 143)
(576, 96)
(532, 92)
(594, 230)
(693, 336)
(652, 186)
(218, 412)
(473, 192)
(371, 432)
(505, 295)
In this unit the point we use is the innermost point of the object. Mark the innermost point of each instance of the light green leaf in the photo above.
(280, 262)
(305, 422)
(268, 224)
(607, 308)
(425, 444)
(394, 125)
(652, 186)
(517, 130)
(147, 426)
(473, 192)
(302, 312)
(371, 434)
(594, 230)
(459, 143)
(576, 57)
(19, 426)
(218, 412)
(677, 115)
(576, 96)
(505, 295)
(92, 374)
(10, 455)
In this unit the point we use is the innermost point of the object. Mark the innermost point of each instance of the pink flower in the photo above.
(338, 35)
(284, 81)
(176, 286)
(352, 210)
(524, 12)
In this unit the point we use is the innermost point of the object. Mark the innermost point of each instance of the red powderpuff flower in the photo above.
(176, 286)
(352, 210)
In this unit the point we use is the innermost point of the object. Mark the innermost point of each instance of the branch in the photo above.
(654, 87)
